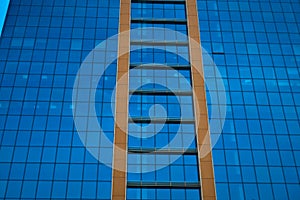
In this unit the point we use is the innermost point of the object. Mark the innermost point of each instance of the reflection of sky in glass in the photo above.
(3, 9)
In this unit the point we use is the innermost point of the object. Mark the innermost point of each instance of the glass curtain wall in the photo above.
(42, 46)
(256, 46)
(156, 78)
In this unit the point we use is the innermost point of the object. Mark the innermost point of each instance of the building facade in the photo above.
(89, 114)
(255, 45)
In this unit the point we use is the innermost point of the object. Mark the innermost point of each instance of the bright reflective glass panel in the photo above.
(158, 11)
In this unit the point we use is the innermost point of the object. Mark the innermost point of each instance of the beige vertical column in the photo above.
(121, 109)
(203, 134)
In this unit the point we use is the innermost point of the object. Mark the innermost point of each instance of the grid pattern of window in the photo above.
(255, 45)
(174, 80)
(157, 34)
(140, 136)
(140, 106)
(162, 193)
(41, 49)
(170, 11)
(182, 170)
(159, 55)
(158, 135)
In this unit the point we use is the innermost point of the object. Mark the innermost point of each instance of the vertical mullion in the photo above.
(119, 176)
(206, 171)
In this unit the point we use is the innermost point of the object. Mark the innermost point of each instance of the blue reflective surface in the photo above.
(163, 165)
(255, 46)
(41, 49)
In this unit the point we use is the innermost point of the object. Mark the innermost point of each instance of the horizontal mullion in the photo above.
(162, 120)
(161, 92)
(183, 185)
(159, 21)
(179, 151)
(159, 1)
(159, 43)
(160, 66)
